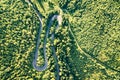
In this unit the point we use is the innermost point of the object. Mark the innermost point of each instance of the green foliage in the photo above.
(92, 25)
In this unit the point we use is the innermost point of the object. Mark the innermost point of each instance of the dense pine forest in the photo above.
(86, 44)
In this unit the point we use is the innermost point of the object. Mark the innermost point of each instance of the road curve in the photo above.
(44, 67)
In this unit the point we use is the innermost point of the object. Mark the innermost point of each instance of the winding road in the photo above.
(59, 19)
(55, 17)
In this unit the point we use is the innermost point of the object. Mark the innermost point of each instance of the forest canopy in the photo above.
(87, 44)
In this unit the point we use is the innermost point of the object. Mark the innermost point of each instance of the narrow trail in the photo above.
(90, 55)
(55, 17)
